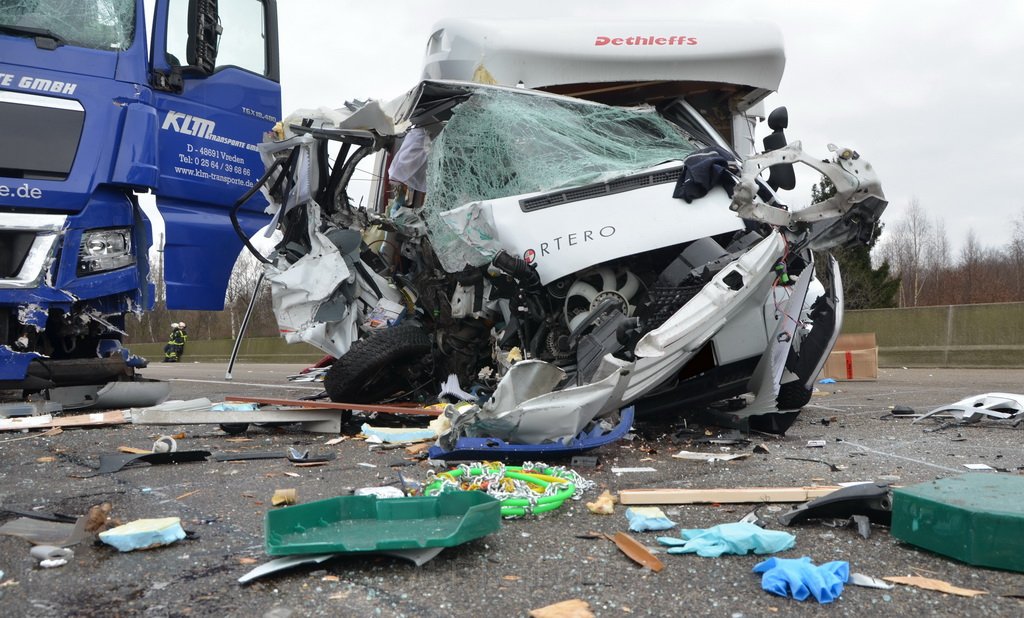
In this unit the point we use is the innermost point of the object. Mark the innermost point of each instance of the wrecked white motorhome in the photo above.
(551, 259)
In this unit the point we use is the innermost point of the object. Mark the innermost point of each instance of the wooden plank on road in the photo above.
(318, 421)
(740, 495)
(48, 421)
(335, 405)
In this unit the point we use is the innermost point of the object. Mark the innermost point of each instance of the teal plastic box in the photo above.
(366, 523)
(976, 518)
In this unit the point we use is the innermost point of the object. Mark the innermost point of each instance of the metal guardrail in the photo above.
(980, 336)
(990, 335)
(253, 350)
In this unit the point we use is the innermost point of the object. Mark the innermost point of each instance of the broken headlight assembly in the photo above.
(105, 249)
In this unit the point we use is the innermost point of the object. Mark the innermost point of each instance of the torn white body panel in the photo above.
(788, 318)
(994, 406)
(301, 289)
(578, 234)
(525, 407)
(663, 351)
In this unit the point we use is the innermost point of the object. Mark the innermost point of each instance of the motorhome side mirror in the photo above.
(203, 32)
(778, 119)
(780, 175)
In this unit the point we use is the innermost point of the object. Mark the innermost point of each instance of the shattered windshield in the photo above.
(502, 142)
(98, 24)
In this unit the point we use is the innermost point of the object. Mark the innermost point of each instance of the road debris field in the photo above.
(581, 550)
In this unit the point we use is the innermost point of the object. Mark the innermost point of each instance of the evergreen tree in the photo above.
(864, 287)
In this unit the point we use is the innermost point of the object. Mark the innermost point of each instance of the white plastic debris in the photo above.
(380, 492)
(144, 533)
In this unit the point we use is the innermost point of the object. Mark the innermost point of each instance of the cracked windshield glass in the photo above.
(98, 24)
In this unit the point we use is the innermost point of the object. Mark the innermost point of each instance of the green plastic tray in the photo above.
(365, 523)
(975, 518)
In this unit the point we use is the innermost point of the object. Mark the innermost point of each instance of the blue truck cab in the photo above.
(93, 112)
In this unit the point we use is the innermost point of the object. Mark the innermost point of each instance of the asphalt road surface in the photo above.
(529, 563)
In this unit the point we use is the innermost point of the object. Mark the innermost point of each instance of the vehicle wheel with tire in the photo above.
(793, 396)
(387, 364)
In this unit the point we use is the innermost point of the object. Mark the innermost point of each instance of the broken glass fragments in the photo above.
(98, 24)
(501, 143)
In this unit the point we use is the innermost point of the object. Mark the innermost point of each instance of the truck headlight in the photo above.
(103, 250)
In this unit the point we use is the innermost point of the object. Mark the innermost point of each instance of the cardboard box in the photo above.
(855, 357)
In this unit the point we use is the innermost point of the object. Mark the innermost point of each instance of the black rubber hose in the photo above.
(238, 205)
(517, 268)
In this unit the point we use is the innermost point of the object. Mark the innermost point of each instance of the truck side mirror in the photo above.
(781, 175)
(203, 34)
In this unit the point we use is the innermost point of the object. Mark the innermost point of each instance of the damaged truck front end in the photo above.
(549, 261)
(97, 106)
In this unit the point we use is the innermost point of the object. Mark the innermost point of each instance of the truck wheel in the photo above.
(388, 363)
(793, 396)
(234, 428)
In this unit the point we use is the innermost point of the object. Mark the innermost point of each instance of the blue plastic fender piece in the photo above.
(396, 435)
(645, 518)
(800, 578)
(14, 365)
(735, 538)
(493, 449)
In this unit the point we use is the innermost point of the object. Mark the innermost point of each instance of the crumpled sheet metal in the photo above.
(992, 405)
(768, 374)
(300, 290)
(716, 296)
(525, 410)
(854, 178)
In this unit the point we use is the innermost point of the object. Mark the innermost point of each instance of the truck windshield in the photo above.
(502, 143)
(97, 24)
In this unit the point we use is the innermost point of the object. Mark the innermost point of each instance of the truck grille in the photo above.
(14, 248)
(665, 301)
(600, 189)
(40, 135)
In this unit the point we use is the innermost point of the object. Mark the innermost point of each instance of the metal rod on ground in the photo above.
(242, 327)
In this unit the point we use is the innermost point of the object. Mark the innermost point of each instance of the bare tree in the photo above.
(1016, 254)
(971, 257)
(918, 249)
(915, 251)
(241, 287)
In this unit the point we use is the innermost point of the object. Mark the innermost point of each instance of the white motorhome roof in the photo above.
(546, 54)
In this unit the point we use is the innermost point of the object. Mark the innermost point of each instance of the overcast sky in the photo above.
(928, 92)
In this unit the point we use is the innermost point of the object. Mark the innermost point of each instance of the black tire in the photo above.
(234, 428)
(388, 363)
(793, 396)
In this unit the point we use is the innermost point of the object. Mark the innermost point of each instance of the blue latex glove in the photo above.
(642, 519)
(799, 578)
(735, 538)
